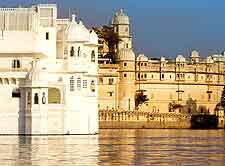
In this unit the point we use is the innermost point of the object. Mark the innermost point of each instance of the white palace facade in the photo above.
(48, 73)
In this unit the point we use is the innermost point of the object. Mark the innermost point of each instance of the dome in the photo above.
(142, 57)
(120, 18)
(180, 58)
(194, 54)
(126, 54)
(76, 31)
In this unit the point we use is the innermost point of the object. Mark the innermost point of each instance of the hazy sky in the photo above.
(159, 27)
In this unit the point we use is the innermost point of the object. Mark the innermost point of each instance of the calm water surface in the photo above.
(117, 147)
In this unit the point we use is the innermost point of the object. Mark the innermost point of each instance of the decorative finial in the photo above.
(121, 11)
(73, 17)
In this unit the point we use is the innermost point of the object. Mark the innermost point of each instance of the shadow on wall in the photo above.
(204, 121)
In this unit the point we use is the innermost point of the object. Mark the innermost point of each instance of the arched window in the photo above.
(72, 83)
(93, 56)
(43, 98)
(6, 81)
(78, 51)
(36, 98)
(1, 81)
(72, 51)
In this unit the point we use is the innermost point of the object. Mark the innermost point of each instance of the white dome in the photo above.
(77, 31)
(126, 54)
(180, 58)
(120, 18)
(142, 57)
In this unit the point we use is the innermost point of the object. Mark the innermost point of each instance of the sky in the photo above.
(159, 27)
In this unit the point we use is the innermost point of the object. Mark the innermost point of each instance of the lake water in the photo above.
(117, 147)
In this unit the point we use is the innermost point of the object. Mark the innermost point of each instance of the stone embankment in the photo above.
(136, 120)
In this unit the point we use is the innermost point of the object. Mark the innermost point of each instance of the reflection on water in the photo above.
(117, 147)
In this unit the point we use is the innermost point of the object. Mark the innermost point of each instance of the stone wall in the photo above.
(135, 120)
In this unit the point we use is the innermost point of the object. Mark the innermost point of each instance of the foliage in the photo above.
(110, 37)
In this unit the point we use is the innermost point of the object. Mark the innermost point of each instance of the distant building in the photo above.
(185, 85)
(48, 73)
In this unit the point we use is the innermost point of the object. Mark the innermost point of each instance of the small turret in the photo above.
(121, 25)
(195, 56)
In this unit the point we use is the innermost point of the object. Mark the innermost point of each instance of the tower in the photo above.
(126, 86)
(121, 25)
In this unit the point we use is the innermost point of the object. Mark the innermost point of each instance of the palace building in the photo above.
(191, 84)
(48, 73)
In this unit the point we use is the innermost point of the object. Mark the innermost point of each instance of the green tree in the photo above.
(110, 37)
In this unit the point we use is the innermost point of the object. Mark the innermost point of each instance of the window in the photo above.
(47, 35)
(125, 64)
(162, 76)
(36, 98)
(125, 75)
(84, 83)
(145, 64)
(145, 75)
(111, 81)
(110, 94)
(72, 51)
(78, 83)
(16, 64)
(152, 76)
(127, 45)
(72, 83)
(209, 96)
(93, 56)
(138, 75)
(92, 86)
(170, 76)
(43, 98)
(100, 80)
(78, 51)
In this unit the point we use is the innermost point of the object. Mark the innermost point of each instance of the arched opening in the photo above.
(36, 98)
(43, 98)
(72, 51)
(6, 81)
(78, 51)
(1, 82)
(54, 96)
(93, 56)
